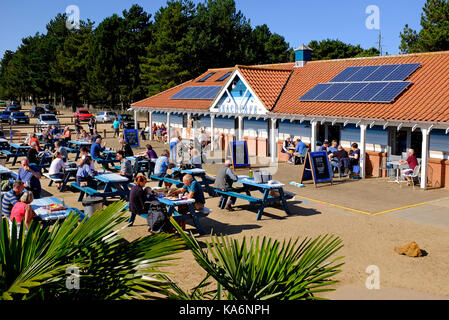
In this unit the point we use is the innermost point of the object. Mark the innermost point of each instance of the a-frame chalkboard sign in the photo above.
(317, 168)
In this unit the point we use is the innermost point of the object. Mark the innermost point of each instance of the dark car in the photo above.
(48, 108)
(16, 103)
(36, 111)
(18, 117)
(126, 121)
(4, 116)
(12, 108)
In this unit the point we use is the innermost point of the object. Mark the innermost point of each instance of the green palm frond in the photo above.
(268, 269)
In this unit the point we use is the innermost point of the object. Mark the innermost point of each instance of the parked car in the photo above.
(4, 116)
(18, 117)
(48, 108)
(2, 103)
(83, 114)
(126, 121)
(47, 119)
(105, 116)
(36, 111)
(16, 103)
(12, 108)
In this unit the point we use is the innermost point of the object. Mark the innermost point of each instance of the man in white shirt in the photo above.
(56, 168)
(174, 147)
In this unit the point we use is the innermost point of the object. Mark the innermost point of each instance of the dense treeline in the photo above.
(128, 57)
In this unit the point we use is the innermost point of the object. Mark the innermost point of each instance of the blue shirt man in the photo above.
(96, 149)
(116, 124)
(197, 190)
(325, 146)
(161, 166)
(300, 146)
(30, 176)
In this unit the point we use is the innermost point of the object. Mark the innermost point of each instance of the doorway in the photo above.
(404, 139)
(329, 132)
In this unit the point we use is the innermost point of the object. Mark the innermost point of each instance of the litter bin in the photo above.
(92, 204)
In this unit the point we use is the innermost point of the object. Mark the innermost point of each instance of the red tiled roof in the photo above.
(267, 83)
(426, 100)
(162, 99)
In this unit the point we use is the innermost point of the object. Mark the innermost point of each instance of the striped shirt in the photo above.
(9, 200)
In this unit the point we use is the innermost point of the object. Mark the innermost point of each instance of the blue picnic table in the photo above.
(15, 151)
(171, 210)
(141, 166)
(198, 173)
(50, 217)
(76, 146)
(115, 185)
(264, 188)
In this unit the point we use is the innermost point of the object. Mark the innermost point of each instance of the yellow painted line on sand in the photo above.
(405, 207)
(335, 205)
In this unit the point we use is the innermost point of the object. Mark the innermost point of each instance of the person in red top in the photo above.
(35, 139)
(22, 209)
(412, 163)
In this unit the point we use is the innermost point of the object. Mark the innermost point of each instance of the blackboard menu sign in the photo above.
(239, 154)
(132, 137)
(316, 167)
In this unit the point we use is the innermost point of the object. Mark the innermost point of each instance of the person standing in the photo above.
(30, 176)
(137, 197)
(91, 125)
(224, 180)
(174, 147)
(116, 126)
(78, 127)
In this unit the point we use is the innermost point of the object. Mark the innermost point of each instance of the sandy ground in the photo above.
(368, 239)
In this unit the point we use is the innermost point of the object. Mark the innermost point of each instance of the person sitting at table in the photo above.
(62, 150)
(287, 147)
(11, 197)
(57, 167)
(95, 135)
(337, 156)
(137, 198)
(84, 152)
(30, 176)
(412, 163)
(35, 140)
(22, 210)
(224, 180)
(299, 148)
(84, 136)
(161, 166)
(126, 168)
(354, 156)
(194, 191)
(333, 147)
(150, 153)
(67, 134)
(325, 146)
(125, 147)
(54, 131)
(46, 136)
(33, 154)
(85, 174)
(96, 149)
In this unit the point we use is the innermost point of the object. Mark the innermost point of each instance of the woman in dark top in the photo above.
(337, 157)
(33, 154)
(126, 148)
(354, 154)
(137, 198)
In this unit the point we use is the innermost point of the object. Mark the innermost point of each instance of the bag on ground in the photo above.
(157, 218)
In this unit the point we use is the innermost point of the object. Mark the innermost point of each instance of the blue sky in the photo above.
(299, 21)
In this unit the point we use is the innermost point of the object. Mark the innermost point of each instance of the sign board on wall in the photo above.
(239, 151)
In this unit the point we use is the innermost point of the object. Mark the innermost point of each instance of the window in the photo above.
(206, 77)
(224, 76)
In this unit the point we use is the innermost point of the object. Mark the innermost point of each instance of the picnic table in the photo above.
(15, 151)
(115, 185)
(171, 210)
(51, 217)
(141, 165)
(265, 188)
(6, 173)
(76, 146)
(70, 175)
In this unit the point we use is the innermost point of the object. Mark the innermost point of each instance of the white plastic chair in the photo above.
(414, 174)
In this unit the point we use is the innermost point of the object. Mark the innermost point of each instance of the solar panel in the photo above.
(390, 91)
(331, 92)
(224, 76)
(345, 74)
(206, 77)
(197, 93)
(369, 91)
(381, 73)
(351, 90)
(362, 73)
(402, 72)
(315, 91)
